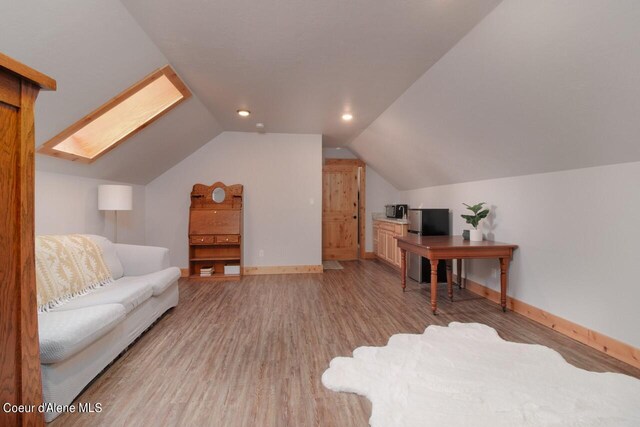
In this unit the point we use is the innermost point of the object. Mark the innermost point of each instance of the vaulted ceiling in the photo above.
(297, 65)
(442, 91)
(537, 86)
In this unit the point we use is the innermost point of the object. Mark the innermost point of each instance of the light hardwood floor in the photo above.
(251, 353)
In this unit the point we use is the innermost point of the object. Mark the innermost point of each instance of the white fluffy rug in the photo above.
(466, 375)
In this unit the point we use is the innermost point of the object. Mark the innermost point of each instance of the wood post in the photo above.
(504, 270)
(434, 285)
(449, 279)
(403, 267)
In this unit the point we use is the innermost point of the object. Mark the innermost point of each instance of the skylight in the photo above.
(123, 116)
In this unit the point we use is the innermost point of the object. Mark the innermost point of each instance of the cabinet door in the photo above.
(214, 221)
(375, 237)
(391, 245)
(382, 244)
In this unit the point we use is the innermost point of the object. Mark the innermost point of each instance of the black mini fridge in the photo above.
(426, 222)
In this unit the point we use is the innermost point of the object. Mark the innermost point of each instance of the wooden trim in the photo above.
(41, 80)
(48, 147)
(362, 211)
(29, 358)
(277, 269)
(10, 90)
(347, 162)
(370, 255)
(282, 269)
(20, 376)
(614, 348)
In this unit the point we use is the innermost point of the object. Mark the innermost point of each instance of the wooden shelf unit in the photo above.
(215, 231)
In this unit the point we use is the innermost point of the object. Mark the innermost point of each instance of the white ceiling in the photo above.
(537, 86)
(297, 65)
(95, 50)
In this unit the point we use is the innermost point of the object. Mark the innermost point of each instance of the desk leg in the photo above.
(403, 268)
(504, 278)
(449, 278)
(459, 272)
(434, 285)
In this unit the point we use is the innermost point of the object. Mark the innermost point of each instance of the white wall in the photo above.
(282, 178)
(578, 233)
(69, 204)
(378, 192)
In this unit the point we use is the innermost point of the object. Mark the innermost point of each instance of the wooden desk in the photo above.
(448, 248)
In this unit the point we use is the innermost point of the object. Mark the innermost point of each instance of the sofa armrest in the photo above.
(137, 260)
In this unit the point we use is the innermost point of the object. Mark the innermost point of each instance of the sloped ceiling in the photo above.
(297, 65)
(95, 49)
(537, 86)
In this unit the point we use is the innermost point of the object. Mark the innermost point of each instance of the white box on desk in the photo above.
(231, 269)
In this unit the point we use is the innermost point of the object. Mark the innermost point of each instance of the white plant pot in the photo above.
(475, 235)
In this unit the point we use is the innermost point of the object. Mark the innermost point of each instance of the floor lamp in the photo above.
(115, 198)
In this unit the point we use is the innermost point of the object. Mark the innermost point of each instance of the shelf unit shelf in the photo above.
(233, 258)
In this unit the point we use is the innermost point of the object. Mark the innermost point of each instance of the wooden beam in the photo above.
(351, 162)
(43, 81)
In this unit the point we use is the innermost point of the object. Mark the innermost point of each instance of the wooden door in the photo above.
(20, 382)
(340, 212)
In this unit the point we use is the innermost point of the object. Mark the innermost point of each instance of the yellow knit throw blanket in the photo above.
(66, 267)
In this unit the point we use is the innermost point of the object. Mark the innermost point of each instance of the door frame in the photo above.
(362, 182)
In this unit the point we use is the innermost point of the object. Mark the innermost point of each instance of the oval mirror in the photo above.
(218, 195)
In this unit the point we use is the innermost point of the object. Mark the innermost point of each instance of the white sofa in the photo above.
(79, 338)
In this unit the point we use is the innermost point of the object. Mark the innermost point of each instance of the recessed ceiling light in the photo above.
(338, 148)
(347, 117)
(244, 113)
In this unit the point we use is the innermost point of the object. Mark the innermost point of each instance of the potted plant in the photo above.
(479, 214)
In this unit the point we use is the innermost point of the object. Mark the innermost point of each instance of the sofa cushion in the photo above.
(109, 255)
(64, 333)
(161, 280)
(128, 291)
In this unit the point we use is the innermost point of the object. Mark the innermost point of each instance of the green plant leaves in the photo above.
(475, 208)
(478, 214)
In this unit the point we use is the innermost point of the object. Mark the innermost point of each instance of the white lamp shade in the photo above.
(115, 197)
